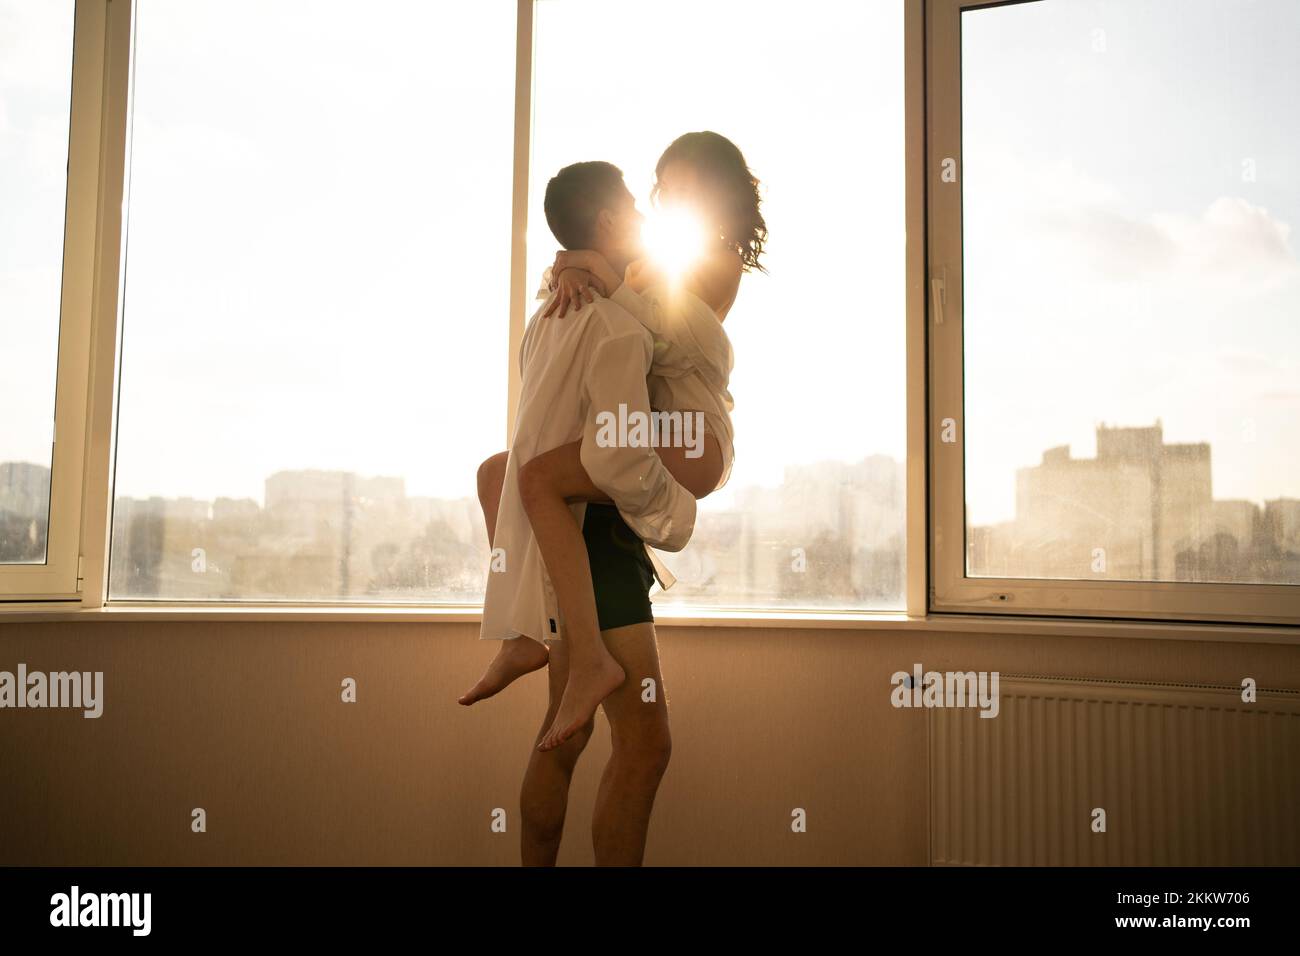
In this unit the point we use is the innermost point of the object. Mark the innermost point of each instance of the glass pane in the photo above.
(812, 94)
(35, 101)
(1132, 349)
(316, 313)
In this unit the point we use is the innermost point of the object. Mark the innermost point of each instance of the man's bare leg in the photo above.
(547, 483)
(544, 797)
(519, 656)
(641, 748)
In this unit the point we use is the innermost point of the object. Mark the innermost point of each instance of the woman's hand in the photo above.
(573, 287)
(575, 259)
(591, 261)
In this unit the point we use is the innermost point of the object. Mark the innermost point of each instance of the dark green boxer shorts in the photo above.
(621, 572)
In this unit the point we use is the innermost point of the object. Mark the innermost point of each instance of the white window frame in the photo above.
(953, 591)
(58, 578)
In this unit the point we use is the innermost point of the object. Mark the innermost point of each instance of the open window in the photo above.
(51, 62)
(1115, 345)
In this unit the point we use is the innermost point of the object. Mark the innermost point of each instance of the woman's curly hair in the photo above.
(726, 175)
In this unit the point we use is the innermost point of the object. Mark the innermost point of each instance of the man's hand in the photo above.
(573, 287)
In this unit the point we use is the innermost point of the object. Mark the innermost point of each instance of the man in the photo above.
(574, 368)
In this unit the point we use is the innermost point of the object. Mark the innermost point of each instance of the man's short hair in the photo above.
(574, 198)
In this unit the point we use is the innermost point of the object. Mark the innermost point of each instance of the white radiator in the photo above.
(1186, 775)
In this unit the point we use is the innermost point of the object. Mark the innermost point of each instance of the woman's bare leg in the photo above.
(700, 475)
(491, 479)
(546, 484)
(522, 655)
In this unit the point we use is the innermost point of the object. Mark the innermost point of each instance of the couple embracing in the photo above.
(571, 515)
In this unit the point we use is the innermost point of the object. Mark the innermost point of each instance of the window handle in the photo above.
(939, 294)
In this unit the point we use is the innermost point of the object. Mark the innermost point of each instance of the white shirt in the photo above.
(572, 369)
(692, 361)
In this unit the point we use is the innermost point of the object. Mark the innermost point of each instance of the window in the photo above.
(1113, 196)
(315, 313)
(812, 94)
(298, 341)
(47, 183)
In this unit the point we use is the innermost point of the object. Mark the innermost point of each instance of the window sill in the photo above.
(668, 617)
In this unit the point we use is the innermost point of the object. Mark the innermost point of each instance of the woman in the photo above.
(706, 174)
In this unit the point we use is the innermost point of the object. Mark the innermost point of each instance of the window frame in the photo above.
(59, 577)
(952, 590)
(935, 587)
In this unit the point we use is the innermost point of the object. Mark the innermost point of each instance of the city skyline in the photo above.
(1142, 509)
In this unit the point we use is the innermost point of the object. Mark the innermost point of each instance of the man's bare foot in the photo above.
(583, 692)
(516, 658)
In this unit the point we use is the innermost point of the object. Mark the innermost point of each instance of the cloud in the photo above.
(1116, 245)
(1232, 241)
(1231, 246)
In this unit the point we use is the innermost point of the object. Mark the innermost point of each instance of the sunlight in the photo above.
(674, 240)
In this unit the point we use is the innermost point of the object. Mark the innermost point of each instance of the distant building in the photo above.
(25, 489)
(1282, 524)
(24, 511)
(1142, 509)
(831, 535)
(235, 509)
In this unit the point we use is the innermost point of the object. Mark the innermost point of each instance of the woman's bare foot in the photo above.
(517, 657)
(583, 692)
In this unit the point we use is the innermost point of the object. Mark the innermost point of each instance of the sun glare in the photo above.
(674, 240)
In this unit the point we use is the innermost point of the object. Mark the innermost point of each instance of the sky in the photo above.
(813, 97)
(319, 227)
(35, 72)
(1121, 263)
